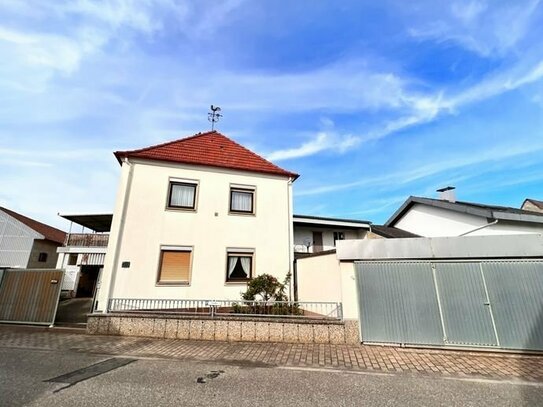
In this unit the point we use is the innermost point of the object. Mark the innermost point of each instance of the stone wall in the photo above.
(230, 329)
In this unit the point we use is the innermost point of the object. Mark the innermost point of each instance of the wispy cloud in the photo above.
(496, 154)
(483, 27)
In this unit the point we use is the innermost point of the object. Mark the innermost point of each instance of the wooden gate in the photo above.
(29, 296)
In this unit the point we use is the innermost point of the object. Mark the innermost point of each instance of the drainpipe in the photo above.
(120, 233)
(290, 237)
(480, 227)
(295, 278)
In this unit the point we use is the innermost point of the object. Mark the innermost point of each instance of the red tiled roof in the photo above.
(210, 149)
(48, 232)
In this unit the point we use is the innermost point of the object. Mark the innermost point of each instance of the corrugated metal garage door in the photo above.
(29, 296)
(495, 304)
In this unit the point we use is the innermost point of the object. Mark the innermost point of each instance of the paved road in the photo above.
(147, 381)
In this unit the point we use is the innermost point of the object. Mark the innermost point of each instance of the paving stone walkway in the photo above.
(351, 357)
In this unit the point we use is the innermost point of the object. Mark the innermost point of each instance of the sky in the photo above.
(370, 102)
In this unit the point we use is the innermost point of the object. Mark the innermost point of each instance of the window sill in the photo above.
(241, 213)
(173, 284)
(180, 209)
(237, 282)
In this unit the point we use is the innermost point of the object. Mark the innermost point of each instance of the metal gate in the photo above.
(495, 304)
(29, 296)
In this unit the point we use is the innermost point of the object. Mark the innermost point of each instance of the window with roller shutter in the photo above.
(175, 266)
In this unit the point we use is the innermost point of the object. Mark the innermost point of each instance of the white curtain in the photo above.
(232, 260)
(242, 201)
(183, 195)
(246, 264)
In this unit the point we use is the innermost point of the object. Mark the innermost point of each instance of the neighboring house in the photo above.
(196, 218)
(532, 205)
(82, 255)
(314, 234)
(447, 217)
(27, 243)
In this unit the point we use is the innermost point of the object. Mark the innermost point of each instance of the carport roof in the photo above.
(95, 222)
(306, 220)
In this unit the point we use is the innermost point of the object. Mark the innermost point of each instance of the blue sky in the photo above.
(369, 101)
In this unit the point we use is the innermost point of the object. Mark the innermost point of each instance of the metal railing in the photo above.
(87, 240)
(232, 308)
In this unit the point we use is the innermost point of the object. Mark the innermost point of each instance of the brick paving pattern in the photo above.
(351, 357)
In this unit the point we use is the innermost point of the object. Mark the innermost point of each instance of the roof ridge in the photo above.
(140, 150)
(250, 151)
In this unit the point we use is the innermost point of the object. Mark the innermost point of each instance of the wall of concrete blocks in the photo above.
(222, 329)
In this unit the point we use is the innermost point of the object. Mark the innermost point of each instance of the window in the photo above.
(175, 264)
(338, 236)
(72, 260)
(242, 200)
(239, 266)
(182, 195)
(42, 257)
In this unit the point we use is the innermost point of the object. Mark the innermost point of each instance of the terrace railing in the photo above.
(230, 308)
(87, 240)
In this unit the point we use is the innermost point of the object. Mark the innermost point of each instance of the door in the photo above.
(465, 306)
(87, 281)
(317, 242)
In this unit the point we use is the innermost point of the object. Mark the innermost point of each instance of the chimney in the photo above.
(447, 194)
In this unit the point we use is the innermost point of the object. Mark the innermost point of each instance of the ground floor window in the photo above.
(175, 265)
(239, 266)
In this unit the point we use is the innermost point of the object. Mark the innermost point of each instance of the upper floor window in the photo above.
(182, 195)
(242, 200)
(42, 257)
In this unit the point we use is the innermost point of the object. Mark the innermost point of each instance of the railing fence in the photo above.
(225, 308)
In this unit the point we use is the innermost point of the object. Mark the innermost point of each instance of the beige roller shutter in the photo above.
(174, 267)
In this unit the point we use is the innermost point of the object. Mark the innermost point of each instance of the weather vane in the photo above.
(214, 116)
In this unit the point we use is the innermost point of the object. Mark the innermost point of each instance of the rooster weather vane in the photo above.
(214, 116)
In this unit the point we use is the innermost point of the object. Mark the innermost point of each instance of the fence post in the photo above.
(340, 310)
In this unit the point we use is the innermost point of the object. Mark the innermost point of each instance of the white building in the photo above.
(447, 217)
(196, 218)
(314, 234)
(27, 243)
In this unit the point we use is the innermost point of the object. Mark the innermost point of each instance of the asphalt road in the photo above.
(164, 382)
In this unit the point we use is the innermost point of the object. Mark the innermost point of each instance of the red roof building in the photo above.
(211, 149)
(48, 232)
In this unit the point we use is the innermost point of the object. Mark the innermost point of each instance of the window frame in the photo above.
(179, 283)
(189, 183)
(240, 253)
(242, 189)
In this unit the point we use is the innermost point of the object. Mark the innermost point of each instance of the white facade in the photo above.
(142, 224)
(430, 221)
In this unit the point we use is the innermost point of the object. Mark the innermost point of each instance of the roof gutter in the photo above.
(480, 227)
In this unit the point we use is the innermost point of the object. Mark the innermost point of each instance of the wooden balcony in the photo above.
(87, 239)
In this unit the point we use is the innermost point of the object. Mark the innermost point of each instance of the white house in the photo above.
(196, 218)
(448, 217)
(314, 234)
(27, 243)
